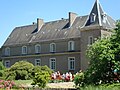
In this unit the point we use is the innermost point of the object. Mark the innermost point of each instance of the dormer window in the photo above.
(104, 17)
(92, 18)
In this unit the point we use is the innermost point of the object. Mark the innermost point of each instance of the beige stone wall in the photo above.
(84, 44)
(61, 60)
(61, 46)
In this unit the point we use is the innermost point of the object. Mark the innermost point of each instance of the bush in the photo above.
(79, 79)
(41, 68)
(2, 68)
(20, 70)
(41, 75)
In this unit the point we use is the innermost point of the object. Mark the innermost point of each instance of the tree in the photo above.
(20, 70)
(104, 57)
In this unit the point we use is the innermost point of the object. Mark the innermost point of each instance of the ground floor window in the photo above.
(7, 64)
(37, 62)
(71, 63)
(52, 63)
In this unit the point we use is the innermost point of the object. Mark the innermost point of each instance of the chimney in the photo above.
(72, 17)
(40, 23)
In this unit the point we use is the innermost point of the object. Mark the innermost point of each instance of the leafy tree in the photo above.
(104, 57)
(101, 59)
(20, 70)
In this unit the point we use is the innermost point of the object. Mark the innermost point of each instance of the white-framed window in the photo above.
(90, 40)
(71, 45)
(37, 48)
(52, 47)
(92, 18)
(37, 62)
(7, 51)
(24, 50)
(7, 63)
(71, 63)
(53, 63)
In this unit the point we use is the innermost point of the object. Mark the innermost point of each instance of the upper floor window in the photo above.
(90, 40)
(37, 62)
(37, 48)
(52, 63)
(92, 18)
(7, 51)
(71, 63)
(24, 50)
(104, 17)
(52, 47)
(71, 45)
(7, 64)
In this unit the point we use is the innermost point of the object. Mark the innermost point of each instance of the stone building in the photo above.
(60, 44)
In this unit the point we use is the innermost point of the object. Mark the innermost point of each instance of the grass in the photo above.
(101, 88)
(23, 82)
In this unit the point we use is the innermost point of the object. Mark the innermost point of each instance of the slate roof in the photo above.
(58, 29)
(50, 31)
(101, 18)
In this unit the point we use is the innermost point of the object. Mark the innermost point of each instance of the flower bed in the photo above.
(7, 84)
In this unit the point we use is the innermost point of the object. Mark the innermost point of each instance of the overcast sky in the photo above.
(15, 13)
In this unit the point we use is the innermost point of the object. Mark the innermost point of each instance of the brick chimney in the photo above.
(72, 17)
(40, 23)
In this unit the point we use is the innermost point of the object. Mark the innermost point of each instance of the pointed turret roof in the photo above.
(98, 17)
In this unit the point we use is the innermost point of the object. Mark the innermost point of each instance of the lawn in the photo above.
(23, 82)
(101, 88)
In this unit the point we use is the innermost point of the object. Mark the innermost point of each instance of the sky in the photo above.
(15, 13)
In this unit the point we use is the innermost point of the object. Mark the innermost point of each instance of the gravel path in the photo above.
(61, 85)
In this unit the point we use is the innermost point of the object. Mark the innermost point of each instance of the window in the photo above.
(7, 51)
(92, 18)
(7, 64)
(24, 50)
(71, 46)
(37, 62)
(52, 63)
(52, 47)
(37, 48)
(71, 63)
(104, 17)
(90, 40)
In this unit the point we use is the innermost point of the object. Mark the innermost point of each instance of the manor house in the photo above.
(60, 44)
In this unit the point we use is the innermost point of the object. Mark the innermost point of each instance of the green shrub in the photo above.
(2, 68)
(41, 75)
(41, 68)
(20, 71)
(79, 79)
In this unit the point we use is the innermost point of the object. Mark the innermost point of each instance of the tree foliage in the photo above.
(20, 70)
(2, 68)
(41, 75)
(104, 57)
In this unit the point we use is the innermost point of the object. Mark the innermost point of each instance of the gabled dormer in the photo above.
(98, 17)
(95, 15)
